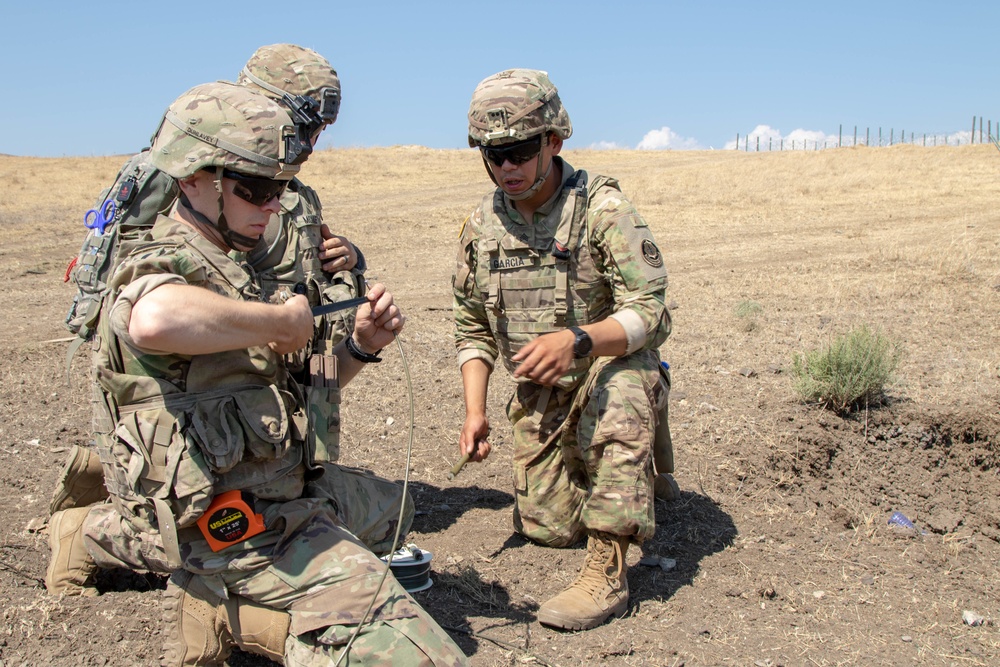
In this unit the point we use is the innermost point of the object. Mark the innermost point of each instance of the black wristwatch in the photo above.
(582, 344)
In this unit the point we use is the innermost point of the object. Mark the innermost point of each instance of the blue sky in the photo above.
(93, 78)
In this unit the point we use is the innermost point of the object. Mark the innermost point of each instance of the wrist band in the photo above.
(360, 354)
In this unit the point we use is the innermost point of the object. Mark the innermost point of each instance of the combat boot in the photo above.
(600, 591)
(71, 567)
(81, 482)
(201, 628)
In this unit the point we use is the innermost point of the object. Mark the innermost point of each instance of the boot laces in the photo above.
(603, 564)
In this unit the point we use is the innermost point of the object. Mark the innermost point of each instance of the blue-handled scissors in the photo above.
(99, 218)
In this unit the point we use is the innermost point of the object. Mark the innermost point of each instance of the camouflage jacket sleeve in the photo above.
(143, 272)
(633, 266)
(473, 336)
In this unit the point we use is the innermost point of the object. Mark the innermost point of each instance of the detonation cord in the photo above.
(402, 508)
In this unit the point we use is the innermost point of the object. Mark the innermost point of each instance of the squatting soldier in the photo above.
(298, 254)
(209, 456)
(559, 277)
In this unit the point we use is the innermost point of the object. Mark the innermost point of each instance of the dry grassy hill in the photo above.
(784, 555)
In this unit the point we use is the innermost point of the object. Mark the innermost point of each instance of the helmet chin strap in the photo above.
(530, 192)
(236, 241)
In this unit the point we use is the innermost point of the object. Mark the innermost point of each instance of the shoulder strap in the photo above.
(567, 238)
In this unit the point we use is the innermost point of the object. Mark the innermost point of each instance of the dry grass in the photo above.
(902, 239)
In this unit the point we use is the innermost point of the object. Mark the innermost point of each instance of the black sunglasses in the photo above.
(255, 189)
(517, 153)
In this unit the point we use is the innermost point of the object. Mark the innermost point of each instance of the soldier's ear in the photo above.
(555, 143)
(191, 185)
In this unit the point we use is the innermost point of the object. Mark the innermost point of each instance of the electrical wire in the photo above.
(402, 508)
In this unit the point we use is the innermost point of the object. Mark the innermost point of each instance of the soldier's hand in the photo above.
(473, 438)
(336, 252)
(545, 359)
(377, 322)
(298, 330)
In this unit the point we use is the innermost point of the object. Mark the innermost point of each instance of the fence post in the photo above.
(880, 137)
(980, 129)
(855, 136)
(737, 141)
(867, 143)
(746, 144)
(769, 144)
(972, 137)
(782, 144)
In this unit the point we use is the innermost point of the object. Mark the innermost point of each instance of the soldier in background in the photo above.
(559, 277)
(297, 255)
(208, 460)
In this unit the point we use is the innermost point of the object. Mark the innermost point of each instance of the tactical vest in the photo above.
(140, 192)
(188, 428)
(289, 263)
(531, 290)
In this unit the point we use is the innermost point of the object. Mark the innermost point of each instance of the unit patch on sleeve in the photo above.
(651, 253)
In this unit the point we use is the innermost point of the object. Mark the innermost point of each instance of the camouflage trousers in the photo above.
(367, 505)
(583, 458)
(308, 564)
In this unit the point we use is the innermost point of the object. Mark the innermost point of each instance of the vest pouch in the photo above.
(323, 405)
(154, 461)
(251, 420)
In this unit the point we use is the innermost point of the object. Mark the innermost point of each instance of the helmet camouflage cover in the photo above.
(223, 125)
(287, 68)
(515, 105)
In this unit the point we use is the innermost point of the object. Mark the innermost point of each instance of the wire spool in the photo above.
(412, 568)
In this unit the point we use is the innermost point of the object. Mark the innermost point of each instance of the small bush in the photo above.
(748, 312)
(852, 371)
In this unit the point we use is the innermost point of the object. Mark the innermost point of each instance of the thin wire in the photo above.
(402, 507)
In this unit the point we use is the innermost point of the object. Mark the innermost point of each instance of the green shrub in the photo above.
(748, 312)
(851, 371)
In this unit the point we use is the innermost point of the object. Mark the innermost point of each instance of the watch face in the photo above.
(582, 345)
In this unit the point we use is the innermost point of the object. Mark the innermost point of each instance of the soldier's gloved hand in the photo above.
(297, 331)
(336, 252)
(377, 322)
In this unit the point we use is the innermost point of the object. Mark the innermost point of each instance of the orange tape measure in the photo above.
(230, 519)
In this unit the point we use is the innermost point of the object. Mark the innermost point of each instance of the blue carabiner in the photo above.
(99, 218)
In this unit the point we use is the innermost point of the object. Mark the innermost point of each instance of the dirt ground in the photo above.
(784, 550)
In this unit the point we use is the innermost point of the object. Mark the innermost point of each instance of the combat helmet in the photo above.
(221, 126)
(287, 69)
(517, 105)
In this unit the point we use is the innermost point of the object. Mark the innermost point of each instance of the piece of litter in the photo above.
(972, 619)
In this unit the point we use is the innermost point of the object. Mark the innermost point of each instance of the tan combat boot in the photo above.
(600, 591)
(71, 568)
(202, 627)
(81, 482)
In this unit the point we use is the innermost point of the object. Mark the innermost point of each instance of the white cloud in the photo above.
(664, 139)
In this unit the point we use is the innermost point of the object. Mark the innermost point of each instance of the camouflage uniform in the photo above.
(188, 428)
(582, 450)
(287, 261)
(228, 421)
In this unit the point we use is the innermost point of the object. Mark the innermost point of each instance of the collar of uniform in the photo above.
(546, 208)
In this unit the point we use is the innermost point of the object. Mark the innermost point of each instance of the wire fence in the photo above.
(867, 137)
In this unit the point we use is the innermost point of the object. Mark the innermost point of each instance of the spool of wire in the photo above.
(412, 568)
